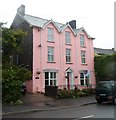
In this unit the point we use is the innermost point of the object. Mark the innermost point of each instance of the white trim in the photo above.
(82, 29)
(67, 25)
(51, 21)
(49, 78)
(71, 78)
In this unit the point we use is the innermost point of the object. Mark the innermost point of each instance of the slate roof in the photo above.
(101, 51)
(40, 22)
(35, 21)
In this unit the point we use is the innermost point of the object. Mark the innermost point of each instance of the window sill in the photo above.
(51, 41)
(84, 64)
(69, 63)
(83, 46)
(51, 62)
(68, 44)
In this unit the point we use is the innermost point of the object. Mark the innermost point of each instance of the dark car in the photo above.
(106, 91)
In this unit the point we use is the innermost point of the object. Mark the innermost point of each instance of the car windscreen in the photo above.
(104, 85)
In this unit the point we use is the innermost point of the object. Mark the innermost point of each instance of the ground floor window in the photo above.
(84, 78)
(50, 79)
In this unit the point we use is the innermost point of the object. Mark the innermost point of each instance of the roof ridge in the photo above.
(44, 19)
(49, 20)
(36, 17)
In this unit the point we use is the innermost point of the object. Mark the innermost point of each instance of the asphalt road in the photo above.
(89, 111)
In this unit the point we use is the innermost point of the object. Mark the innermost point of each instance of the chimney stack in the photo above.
(21, 10)
(73, 24)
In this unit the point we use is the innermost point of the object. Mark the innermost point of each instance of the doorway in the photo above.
(69, 79)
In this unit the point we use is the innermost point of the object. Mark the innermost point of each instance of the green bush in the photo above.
(12, 79)
(88, 91)
(64, 94)
(81, 93)
(75, 93)
(68, 93)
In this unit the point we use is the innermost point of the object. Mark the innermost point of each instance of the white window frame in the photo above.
(83, 57)
(67, 37)
(68, 55)
(84, 79)
(50, 34)
(50, 54)
(82, 40)
(52, 79)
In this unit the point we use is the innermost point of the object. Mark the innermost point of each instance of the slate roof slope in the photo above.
(34, 21)
(104, 51)
(40, 22)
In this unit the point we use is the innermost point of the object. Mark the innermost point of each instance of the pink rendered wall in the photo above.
(89, 56)
(40, 56)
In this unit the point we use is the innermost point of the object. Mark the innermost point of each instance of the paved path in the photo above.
(38, 102)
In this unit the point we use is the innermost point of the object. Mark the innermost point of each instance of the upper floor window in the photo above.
(83, 57)
(50, 54)
(68, 55)
(50, 34)
(67, 37)
(82, 40)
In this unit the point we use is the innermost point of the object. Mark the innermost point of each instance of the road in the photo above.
(88, 111)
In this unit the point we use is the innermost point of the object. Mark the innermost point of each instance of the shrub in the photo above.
(74, 93)
(64, 94)
(12, 79)
(88, 91)
(81, 93)
(68, 93)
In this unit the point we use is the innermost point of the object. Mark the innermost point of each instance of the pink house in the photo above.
(57, 54)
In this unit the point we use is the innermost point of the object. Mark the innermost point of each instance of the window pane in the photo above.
(50, 34)
(81, 75)
(82, 82)
(54, 75)
(50, 54)
(52, 58)
(68, 55)
(46, 82)
(51, 75)
(67, 37)
(51, 82)
(46, 75)
(87, 81)
(54, 82)
(83, 57)
(82, 40)
(83, 60)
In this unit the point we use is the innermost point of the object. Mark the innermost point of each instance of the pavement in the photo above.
(39, 102)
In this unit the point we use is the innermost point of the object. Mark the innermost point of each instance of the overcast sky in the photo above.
(96, 16)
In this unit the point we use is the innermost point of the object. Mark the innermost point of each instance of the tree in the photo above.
(12, 76)
(11, 43)
(105, 67)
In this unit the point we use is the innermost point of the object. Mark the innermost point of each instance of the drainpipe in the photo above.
(76, 54)
(40, 46)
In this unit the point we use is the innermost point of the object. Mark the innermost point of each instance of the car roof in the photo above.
(107, 81)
